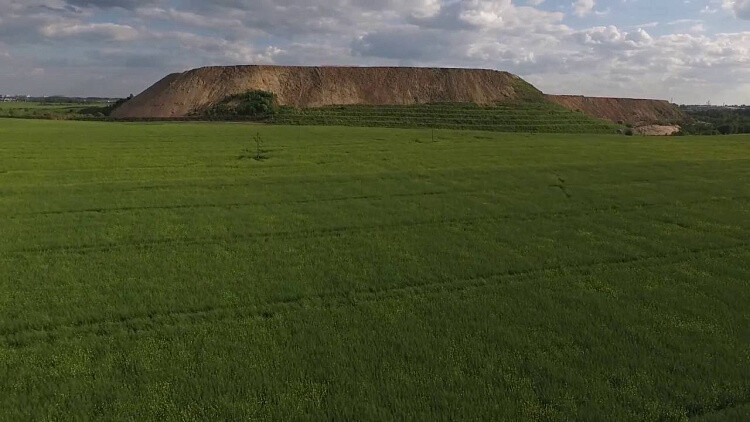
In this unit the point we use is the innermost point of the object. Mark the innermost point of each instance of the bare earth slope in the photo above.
(627, 110)
(182, 94)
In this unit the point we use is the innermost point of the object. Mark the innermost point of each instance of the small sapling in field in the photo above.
(258, 152)
(258, 147)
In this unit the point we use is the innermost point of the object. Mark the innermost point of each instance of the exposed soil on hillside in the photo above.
(195, 91)
(192, 92)
(657, 130)
(638, 112)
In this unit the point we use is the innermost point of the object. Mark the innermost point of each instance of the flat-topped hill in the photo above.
(443, 97)
(183, 94)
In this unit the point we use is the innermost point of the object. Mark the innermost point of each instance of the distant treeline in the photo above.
(715, 120)
(59, 99)
(71, 100)
(58, 108)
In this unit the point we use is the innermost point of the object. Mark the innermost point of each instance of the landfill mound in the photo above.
(194, 91)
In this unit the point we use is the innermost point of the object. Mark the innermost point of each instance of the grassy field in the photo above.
(156, 272)
(60, 111)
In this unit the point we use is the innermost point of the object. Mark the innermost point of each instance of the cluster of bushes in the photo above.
(252, 104)
(628, 130)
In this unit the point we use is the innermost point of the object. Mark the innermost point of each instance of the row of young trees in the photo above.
(717, 120)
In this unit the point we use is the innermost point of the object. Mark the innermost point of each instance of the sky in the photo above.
(688, 51)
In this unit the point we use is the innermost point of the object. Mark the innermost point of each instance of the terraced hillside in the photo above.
(194, 91)
(525, 117)
(638, 112)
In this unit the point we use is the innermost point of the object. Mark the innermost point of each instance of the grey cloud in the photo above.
(129, 59)
(124, 4)
(77, 42)
(408, 43)
(741, 8)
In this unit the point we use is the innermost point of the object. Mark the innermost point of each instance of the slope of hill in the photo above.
(638, 112)
(543, 117)
(442, 97)
(192, 92)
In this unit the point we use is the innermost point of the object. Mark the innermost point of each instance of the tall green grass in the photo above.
(154, 272)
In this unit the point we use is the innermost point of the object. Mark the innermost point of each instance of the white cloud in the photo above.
(583, 7)
(612, 38)
(140, 40)
(741, 8)
(426, 9)
(98, 31)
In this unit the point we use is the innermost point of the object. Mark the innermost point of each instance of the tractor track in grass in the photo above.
(41, 172)
(292, 234)
(391, 174)
(100, 210)
(332, 231)
(723, 409)
(22, 337)
(242, 204)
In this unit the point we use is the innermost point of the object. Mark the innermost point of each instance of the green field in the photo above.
(157, 272)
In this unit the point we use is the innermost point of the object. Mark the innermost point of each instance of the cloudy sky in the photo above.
(691, 51)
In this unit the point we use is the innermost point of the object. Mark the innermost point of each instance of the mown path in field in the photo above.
(156, 271)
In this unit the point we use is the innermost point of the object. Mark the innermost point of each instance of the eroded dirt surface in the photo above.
(639, 112)
(181, 94)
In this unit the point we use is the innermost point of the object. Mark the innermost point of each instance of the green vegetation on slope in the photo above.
(527, 93)
(530, 113)
(151, 272)
(252, 104)
(519, 117)
(260, 106)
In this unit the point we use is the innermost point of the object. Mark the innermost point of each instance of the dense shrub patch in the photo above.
(254, 104)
